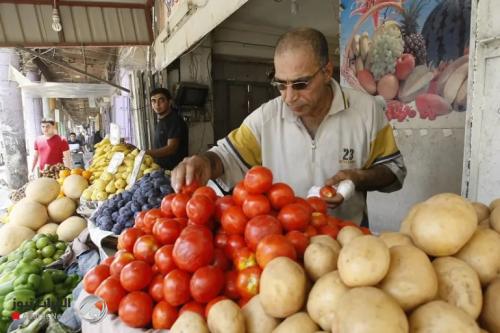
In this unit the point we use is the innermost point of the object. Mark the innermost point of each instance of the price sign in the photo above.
(114, 133)
(116, 161)
(137, 167)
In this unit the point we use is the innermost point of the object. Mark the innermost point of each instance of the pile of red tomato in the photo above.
(199, 248)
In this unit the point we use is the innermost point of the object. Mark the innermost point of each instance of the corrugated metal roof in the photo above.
(90, 23)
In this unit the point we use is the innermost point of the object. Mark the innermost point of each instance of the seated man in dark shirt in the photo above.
(170, 144)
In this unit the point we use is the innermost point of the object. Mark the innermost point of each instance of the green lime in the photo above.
(37, 237)
(61, 246)
(47, 261)
(48, 251)
(42, 242)
(29, 245)
(30, 254)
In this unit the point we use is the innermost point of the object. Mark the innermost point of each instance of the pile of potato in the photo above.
(440, 273)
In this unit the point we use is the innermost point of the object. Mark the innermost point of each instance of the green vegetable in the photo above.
(46, 284)
(42, 242)
(31, 244)
(61, 245)
(31, 268)
(47, 261)
(39, 321)
(48, 251)
(50, 301)
(6, 287)
(57, 275)
(20, 300)
(30, 254)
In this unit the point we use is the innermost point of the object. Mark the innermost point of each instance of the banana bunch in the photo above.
(104, 184)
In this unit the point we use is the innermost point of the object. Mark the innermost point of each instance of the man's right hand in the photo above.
(196, 167)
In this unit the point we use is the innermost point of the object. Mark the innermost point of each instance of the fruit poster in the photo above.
(414, 53)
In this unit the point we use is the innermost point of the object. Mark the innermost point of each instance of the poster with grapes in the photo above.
(414, 53)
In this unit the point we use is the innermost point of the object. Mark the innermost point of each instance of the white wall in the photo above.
(433, 154)
(196, 66)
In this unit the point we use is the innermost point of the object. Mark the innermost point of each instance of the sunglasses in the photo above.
(299, 84)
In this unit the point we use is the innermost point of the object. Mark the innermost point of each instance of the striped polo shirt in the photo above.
(355, 134)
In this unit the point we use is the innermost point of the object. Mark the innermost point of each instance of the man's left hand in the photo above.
(347, 174)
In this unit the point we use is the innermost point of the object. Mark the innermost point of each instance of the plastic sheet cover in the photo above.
(60, 89)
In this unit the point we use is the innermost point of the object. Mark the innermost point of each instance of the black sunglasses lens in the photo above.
(299, 85)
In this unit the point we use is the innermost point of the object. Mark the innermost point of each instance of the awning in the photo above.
(29, 23)
(60, 89)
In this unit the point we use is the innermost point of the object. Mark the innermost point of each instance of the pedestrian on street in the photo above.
(50, 148)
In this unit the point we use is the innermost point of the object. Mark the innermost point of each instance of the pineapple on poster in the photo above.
(414, 53)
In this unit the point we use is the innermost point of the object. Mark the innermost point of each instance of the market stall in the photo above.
(114, 249)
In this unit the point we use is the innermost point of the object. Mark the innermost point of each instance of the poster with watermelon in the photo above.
(412, 52)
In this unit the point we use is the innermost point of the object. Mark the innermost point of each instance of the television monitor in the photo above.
(191, 95)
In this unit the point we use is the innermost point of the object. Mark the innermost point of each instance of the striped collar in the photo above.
(340, 102)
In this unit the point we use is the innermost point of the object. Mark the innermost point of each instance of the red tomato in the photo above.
(273, 246)
(136, 275)
(234, 221)
(166, 231)
(207, 282)
(155, 288)
(332, 220)
(248, 282)
(220, 240)
(317, 204)
(136, 309)
(182, 221)
(166, 205)
(239, 193)
(194, 248)
(199, 209)
(299, 240)
(259, 227)
(194, 307)
(127, 239)
(150, 219)
(164, 260)
(212, 303)
(243, 258)
(342, 224)
(243, 301)
(258, 180)
(304, 203)
(122, 258)
(329, 230)
(221, 260)
(294, 217)
(280, 195)
(221, 204)
(231, 289)
(178, 204)
(176, 287)
(138, 221)
(112, 292)
(327, 191)
(189, 189)
(145, 248)
(311, 231)
(108, 261)
(255, 205)
(94, 278)
(155, 268)
(164, 316)
(318, 219)
(234, 242)
(206, 191)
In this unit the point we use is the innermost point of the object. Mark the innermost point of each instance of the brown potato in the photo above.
(411, 279)
(283, 286)
(459, 285)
